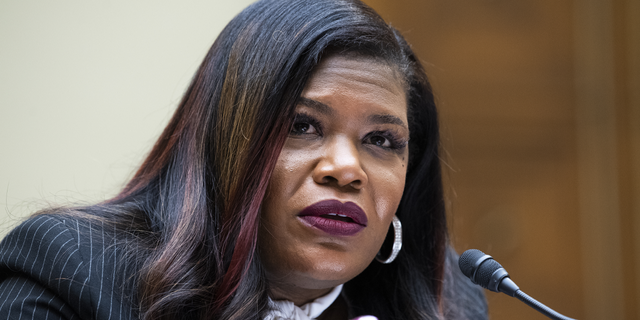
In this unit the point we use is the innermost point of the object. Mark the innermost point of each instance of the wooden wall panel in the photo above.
(626, 16)
(598, 160)
(538, 176)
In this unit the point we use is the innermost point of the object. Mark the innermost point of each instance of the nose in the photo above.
(340, 164)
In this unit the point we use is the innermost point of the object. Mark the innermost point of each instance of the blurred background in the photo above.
(86, 87)
(540, 109)
(539, 103)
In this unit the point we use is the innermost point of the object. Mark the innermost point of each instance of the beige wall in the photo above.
(86, 87)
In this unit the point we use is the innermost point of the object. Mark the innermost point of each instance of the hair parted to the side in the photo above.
(194, 204)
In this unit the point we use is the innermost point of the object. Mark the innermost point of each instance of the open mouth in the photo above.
(337, 216)
(334, 217)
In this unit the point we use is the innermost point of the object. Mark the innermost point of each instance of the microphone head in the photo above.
(482, 270)
(485, 272)
(478, 267)
(468, 260)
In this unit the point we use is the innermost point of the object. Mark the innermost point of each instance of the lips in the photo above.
(334, 217)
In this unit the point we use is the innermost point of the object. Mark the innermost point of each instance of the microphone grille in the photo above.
(467, 261)
(486, 269)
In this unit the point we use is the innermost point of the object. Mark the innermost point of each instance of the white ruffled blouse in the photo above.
(286, 310)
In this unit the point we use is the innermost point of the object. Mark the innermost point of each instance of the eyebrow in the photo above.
(316, 105)
(375, 118)
(386, 119)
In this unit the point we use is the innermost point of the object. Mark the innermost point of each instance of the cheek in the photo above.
(388, 191)
(280, 189)
(277, 198)
(277, 238)
(287, 176)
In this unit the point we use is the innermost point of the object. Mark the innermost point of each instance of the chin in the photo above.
(321, 280)
(330, 274)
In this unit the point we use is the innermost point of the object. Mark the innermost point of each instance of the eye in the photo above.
(386, 140)
(379, 141)
(304, 124)
(302, 128)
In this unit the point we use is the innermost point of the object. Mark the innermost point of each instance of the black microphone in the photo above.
(489, 274)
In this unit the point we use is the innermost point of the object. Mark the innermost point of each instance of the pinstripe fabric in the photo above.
(53, 267)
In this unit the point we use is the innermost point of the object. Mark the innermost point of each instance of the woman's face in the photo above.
(338, 180)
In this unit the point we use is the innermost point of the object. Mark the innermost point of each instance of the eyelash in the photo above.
(396, 143)
(302, 118)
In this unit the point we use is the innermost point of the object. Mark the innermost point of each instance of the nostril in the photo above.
(340, 171)
(355, 184)
(329, 179)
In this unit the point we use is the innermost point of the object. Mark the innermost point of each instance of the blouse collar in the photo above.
(286, 310)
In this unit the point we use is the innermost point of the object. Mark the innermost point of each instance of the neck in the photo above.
(299, 296)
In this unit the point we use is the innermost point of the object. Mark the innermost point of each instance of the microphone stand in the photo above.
(533, 303)
(482, 270)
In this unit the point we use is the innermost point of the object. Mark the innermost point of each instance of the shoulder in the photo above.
(463, 300)
(41, 242)
(71, 259)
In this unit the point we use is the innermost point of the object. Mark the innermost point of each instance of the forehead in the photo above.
(367, 82)
(358, 68)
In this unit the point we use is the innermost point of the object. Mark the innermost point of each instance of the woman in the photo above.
(308, 130)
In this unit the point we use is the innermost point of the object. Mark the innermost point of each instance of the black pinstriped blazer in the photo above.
(53, 267)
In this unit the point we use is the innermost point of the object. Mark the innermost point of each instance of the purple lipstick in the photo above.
(334, 217)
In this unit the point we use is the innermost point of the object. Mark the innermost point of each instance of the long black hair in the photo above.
(193, 207)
